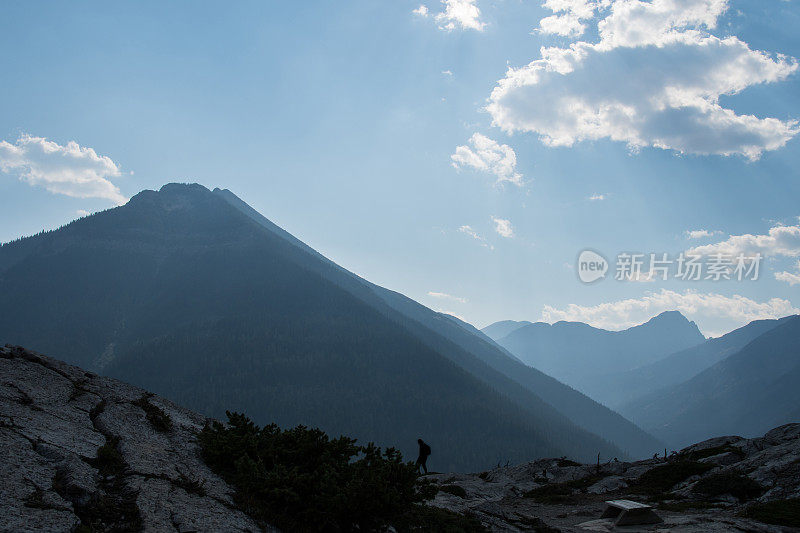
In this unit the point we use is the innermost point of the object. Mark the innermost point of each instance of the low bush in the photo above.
(299, 479)
(778, 512)
(729, 482)
(159, 419)
(568, 492)
(109, 459)
(659, 480)
(455, 490)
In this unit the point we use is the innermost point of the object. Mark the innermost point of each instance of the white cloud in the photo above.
(700, 233)
(704, 308)
(447, 72)
(489, 156)
(445, 296)
(71, 170)
(792, 278)
(83, 213)
(597, 197)
(569, 16)
(779, 241)
(566, 24)
(474, 234)
(653, 78)
(462, 14)
(503, 227)
(660, 22)
(422, 11)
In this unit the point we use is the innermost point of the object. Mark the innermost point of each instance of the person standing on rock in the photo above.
(424, 452)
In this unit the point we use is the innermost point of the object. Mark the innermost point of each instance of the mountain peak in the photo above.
(672, 319)
(169, 193)
(673, 315)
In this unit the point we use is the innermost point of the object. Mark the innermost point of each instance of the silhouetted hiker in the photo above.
(424, 452)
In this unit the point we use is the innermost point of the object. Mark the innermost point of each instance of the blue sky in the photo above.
(396, 141)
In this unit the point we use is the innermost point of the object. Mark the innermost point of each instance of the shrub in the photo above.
(661, 479)
(779, 512)
(301, 480)
(568, 492)
(109, 460)
(190, 485)
(729, 482)
(155, 415)
(455, 490)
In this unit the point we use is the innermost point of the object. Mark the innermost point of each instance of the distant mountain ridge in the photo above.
(627, 387)
(498, 330)
(741, 394)
(186, 293)
(581, 355)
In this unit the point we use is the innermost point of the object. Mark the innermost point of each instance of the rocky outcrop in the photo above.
(84, 450)
(714, 483)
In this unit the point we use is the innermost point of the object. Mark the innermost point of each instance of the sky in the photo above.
(462, 152)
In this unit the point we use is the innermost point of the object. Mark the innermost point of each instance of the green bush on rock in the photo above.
(299, 479)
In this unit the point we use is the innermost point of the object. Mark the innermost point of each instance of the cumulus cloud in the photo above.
(459, 14)
(71, 170)
(597, 197)
(489, 156)
(503, 227)
(445, 296)
(700, 233)
(653, 78)
(779, 241)
(704, 308)
(569, 16)
(422, 10)
(792, 278)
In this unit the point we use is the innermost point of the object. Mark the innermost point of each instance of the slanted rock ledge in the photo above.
(53, 420)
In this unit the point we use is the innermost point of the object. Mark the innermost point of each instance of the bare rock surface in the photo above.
(55, 418)
(559, 495)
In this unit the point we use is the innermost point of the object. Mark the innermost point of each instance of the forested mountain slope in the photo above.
(470, 348)
(183, 294)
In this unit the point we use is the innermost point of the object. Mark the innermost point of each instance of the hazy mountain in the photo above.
(471, 349)
(619, 390)
(184, 293)
(581, 355)
(744, 394)
(498, 330)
